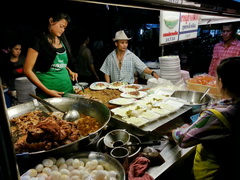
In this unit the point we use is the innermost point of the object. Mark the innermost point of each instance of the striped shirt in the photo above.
(220, 52)
(131, 64)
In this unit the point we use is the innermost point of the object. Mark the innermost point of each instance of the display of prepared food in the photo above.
(148, 109)
(202, 82)
(33, 131)
(99, 85)
(103, 96)
(130, 87)
(134, 94)
(85, 165)
(117, 84)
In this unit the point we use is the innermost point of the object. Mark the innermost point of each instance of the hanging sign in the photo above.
(169, 26)
(176, 26)
(188, 26)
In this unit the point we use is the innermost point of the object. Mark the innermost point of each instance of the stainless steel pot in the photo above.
(85, 106)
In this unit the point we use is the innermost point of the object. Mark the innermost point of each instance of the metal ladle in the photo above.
(70, 115)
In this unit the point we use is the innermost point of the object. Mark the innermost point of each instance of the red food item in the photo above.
(203, 79)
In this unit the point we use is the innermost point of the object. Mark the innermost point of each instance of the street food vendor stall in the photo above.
(154, 127)
(146, 116)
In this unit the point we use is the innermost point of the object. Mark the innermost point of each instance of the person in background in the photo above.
(84, 62)
(99, 53)
(12, 72)
(121, 64)
(215, 132)
(48, 58)
(229, 47)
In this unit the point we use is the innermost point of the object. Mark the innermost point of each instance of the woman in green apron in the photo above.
(48, 59)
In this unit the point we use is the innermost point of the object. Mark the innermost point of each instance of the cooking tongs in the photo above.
(81, 86)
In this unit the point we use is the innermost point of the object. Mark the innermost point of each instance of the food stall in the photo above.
(154, 126)
(157, 129)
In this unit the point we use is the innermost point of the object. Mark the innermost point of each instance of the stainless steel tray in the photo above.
(151, 126)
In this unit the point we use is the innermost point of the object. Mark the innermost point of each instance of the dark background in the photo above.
(22, 19)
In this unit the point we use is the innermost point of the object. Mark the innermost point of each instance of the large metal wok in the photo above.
(85, 106)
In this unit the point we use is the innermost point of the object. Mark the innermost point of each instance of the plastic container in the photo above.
(194, 117)
(202, 88)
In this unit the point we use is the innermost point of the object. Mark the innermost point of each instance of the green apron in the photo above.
(57, 78)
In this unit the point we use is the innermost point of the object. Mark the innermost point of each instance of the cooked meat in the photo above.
(132, 86)
(103, 96)
(100, 84)
(32, 132)
(48, 129)
(117, 83)
(134, 93)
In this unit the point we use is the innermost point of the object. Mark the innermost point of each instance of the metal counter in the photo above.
(172, 154)
(170, 151)
(157, 130)
(153, 126)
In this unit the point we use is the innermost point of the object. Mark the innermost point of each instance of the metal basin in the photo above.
(85, 106)
(192, 99)
(108, 162)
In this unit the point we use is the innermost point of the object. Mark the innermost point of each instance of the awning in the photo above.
(209, 20)
(229, 8)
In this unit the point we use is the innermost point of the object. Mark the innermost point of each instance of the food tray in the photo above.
(151, 126)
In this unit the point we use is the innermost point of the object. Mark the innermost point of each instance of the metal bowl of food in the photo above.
(191, 98)
(85, 107)
(83, 165)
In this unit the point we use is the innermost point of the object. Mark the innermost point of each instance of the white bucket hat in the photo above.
(120, 35)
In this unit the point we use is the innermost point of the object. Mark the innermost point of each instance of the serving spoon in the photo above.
(70, 115)
(200, 100)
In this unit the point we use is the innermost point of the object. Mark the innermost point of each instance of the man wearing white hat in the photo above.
(121, 64)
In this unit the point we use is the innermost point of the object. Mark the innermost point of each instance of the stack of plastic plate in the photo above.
(170, 68)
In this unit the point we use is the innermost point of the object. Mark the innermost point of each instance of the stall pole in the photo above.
(8, 162)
